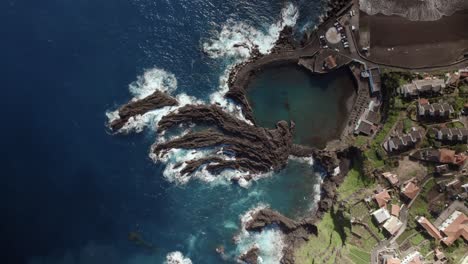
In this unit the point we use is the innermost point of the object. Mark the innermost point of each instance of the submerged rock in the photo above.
(251, 256)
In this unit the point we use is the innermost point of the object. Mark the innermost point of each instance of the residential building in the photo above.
(381, 215)
(429, 227)
(410, 189)
(454, 227)
(422, 87)
(395, 210)
(392, 260)
(392, 225)
(382, 198)
(403, 143)
(444, 156)
(454, 135)
(365, 127)
(391, 178)
(427, 110)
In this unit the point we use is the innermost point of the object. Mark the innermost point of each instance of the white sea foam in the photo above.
(177, 257)
(307, 160)
(152, 80)
(235, 42)
(146, 84)
(270, 240)
(238, 39)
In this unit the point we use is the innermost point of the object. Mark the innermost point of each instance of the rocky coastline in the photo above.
(250, 149)
(139, 107)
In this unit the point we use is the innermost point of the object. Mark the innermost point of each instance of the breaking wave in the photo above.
(151, 81)
(234, 42)
(270, 241)
(177, 257)
(238, 39)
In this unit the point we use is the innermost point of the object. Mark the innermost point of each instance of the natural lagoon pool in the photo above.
(318, 104)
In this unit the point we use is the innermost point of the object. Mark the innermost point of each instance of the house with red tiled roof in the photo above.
(429, 227)
(454, 227)
(391, 178)
(392, 261)
(410, 189)
(395, 210)
(382, 198)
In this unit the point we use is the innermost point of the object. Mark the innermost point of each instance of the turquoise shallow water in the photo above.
(316, 103)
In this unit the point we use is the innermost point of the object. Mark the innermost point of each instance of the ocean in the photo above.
(71, 191)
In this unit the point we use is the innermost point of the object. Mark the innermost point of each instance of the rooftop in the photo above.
(382, 198)
(391, 177)
(454, 227)
(410, 190)
(381, 215)
(395, 210)
(430, 228)
(392, 225)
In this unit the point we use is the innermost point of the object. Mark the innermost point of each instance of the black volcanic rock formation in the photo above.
(251, 256)
(139, 107)
(296, 232)
(256, 149)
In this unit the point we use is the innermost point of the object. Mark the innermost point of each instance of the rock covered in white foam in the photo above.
(152, 80)
(177, 257)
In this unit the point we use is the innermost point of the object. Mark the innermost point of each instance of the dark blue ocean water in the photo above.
(71, 192)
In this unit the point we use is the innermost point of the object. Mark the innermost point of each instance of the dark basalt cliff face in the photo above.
(139, 107)
(256, 149)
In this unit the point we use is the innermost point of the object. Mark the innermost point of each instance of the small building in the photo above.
(392, 225)
(410, 189)
(444, 168)
(429, 227)
(391, 178)
(330, 62)
(365, 127)
(381, 215)
(392, 260)
(403, 143)
(422, 87)
(395, 210)
(439, 255)
(454, 135)
(382, 198)
(454, 227)
(433, 111)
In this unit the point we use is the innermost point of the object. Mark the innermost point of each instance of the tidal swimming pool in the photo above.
(318, 104)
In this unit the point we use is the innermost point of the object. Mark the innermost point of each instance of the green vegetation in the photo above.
(407, 125)
(456, 124)
(354, 181)
(359, 256)
(335, 228)
(417, 239)
(408, 232)
(360, 141)
(319, 249)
